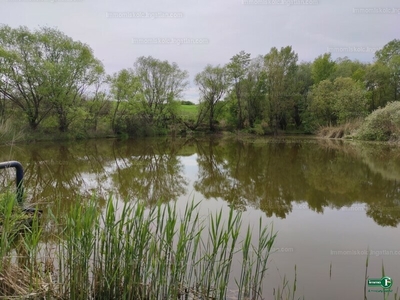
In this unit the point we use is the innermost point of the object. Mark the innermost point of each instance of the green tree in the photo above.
(98, 109)
(322, 101)
(71, 68)
(46, 69)
(345, 67)
(377, 81)
(4, 101)
(322, 68)
(388, 51)
(394, 67)
(280, 67)
(213, 83)
(390, 56)
(350, 99)
(237, 70)
(302, 84)
(161, 84)
(337, 102)
(255, 90)
(124, 86)
(23, 74)
(98, 106)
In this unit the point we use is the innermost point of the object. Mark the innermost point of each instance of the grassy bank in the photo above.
(13, 131)
(130, 252)
(383, 125)
(188, 111)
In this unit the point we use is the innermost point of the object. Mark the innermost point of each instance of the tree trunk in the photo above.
(33, 124)
(113, 119)
(276, 125)
(212, 118)
(62, 120)
(33, 119)
(240, 121)
(297, 118)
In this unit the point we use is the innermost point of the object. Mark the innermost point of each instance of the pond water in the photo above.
(329, 201)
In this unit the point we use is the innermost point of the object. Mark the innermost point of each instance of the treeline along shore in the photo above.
(53, 87)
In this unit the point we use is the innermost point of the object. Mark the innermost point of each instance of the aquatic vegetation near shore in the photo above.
(132, 252)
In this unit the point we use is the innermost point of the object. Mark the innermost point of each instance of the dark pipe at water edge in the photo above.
(19, 177)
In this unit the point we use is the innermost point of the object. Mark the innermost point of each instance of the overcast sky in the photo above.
(194, 33)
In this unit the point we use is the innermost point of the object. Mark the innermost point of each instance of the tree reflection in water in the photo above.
(274, 176)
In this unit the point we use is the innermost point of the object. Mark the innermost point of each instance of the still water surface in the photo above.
(328, 201)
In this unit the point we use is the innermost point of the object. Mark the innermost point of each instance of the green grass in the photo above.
(188, 112)
(9, 133)
(132, 252)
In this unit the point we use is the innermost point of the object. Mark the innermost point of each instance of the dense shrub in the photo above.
(382, 124)
(183, 102)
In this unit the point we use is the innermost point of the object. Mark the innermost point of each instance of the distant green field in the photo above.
(188, 111)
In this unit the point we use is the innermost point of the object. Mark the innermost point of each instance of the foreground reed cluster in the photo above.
(130, 252)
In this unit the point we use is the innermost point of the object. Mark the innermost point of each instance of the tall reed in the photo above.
(130, 251)
(19, 249)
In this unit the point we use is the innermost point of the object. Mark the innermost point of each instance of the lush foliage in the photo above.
(45, 71)
(382, 125)
(337, 102)
(61, 90)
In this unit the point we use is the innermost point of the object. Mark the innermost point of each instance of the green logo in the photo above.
(385, 282)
